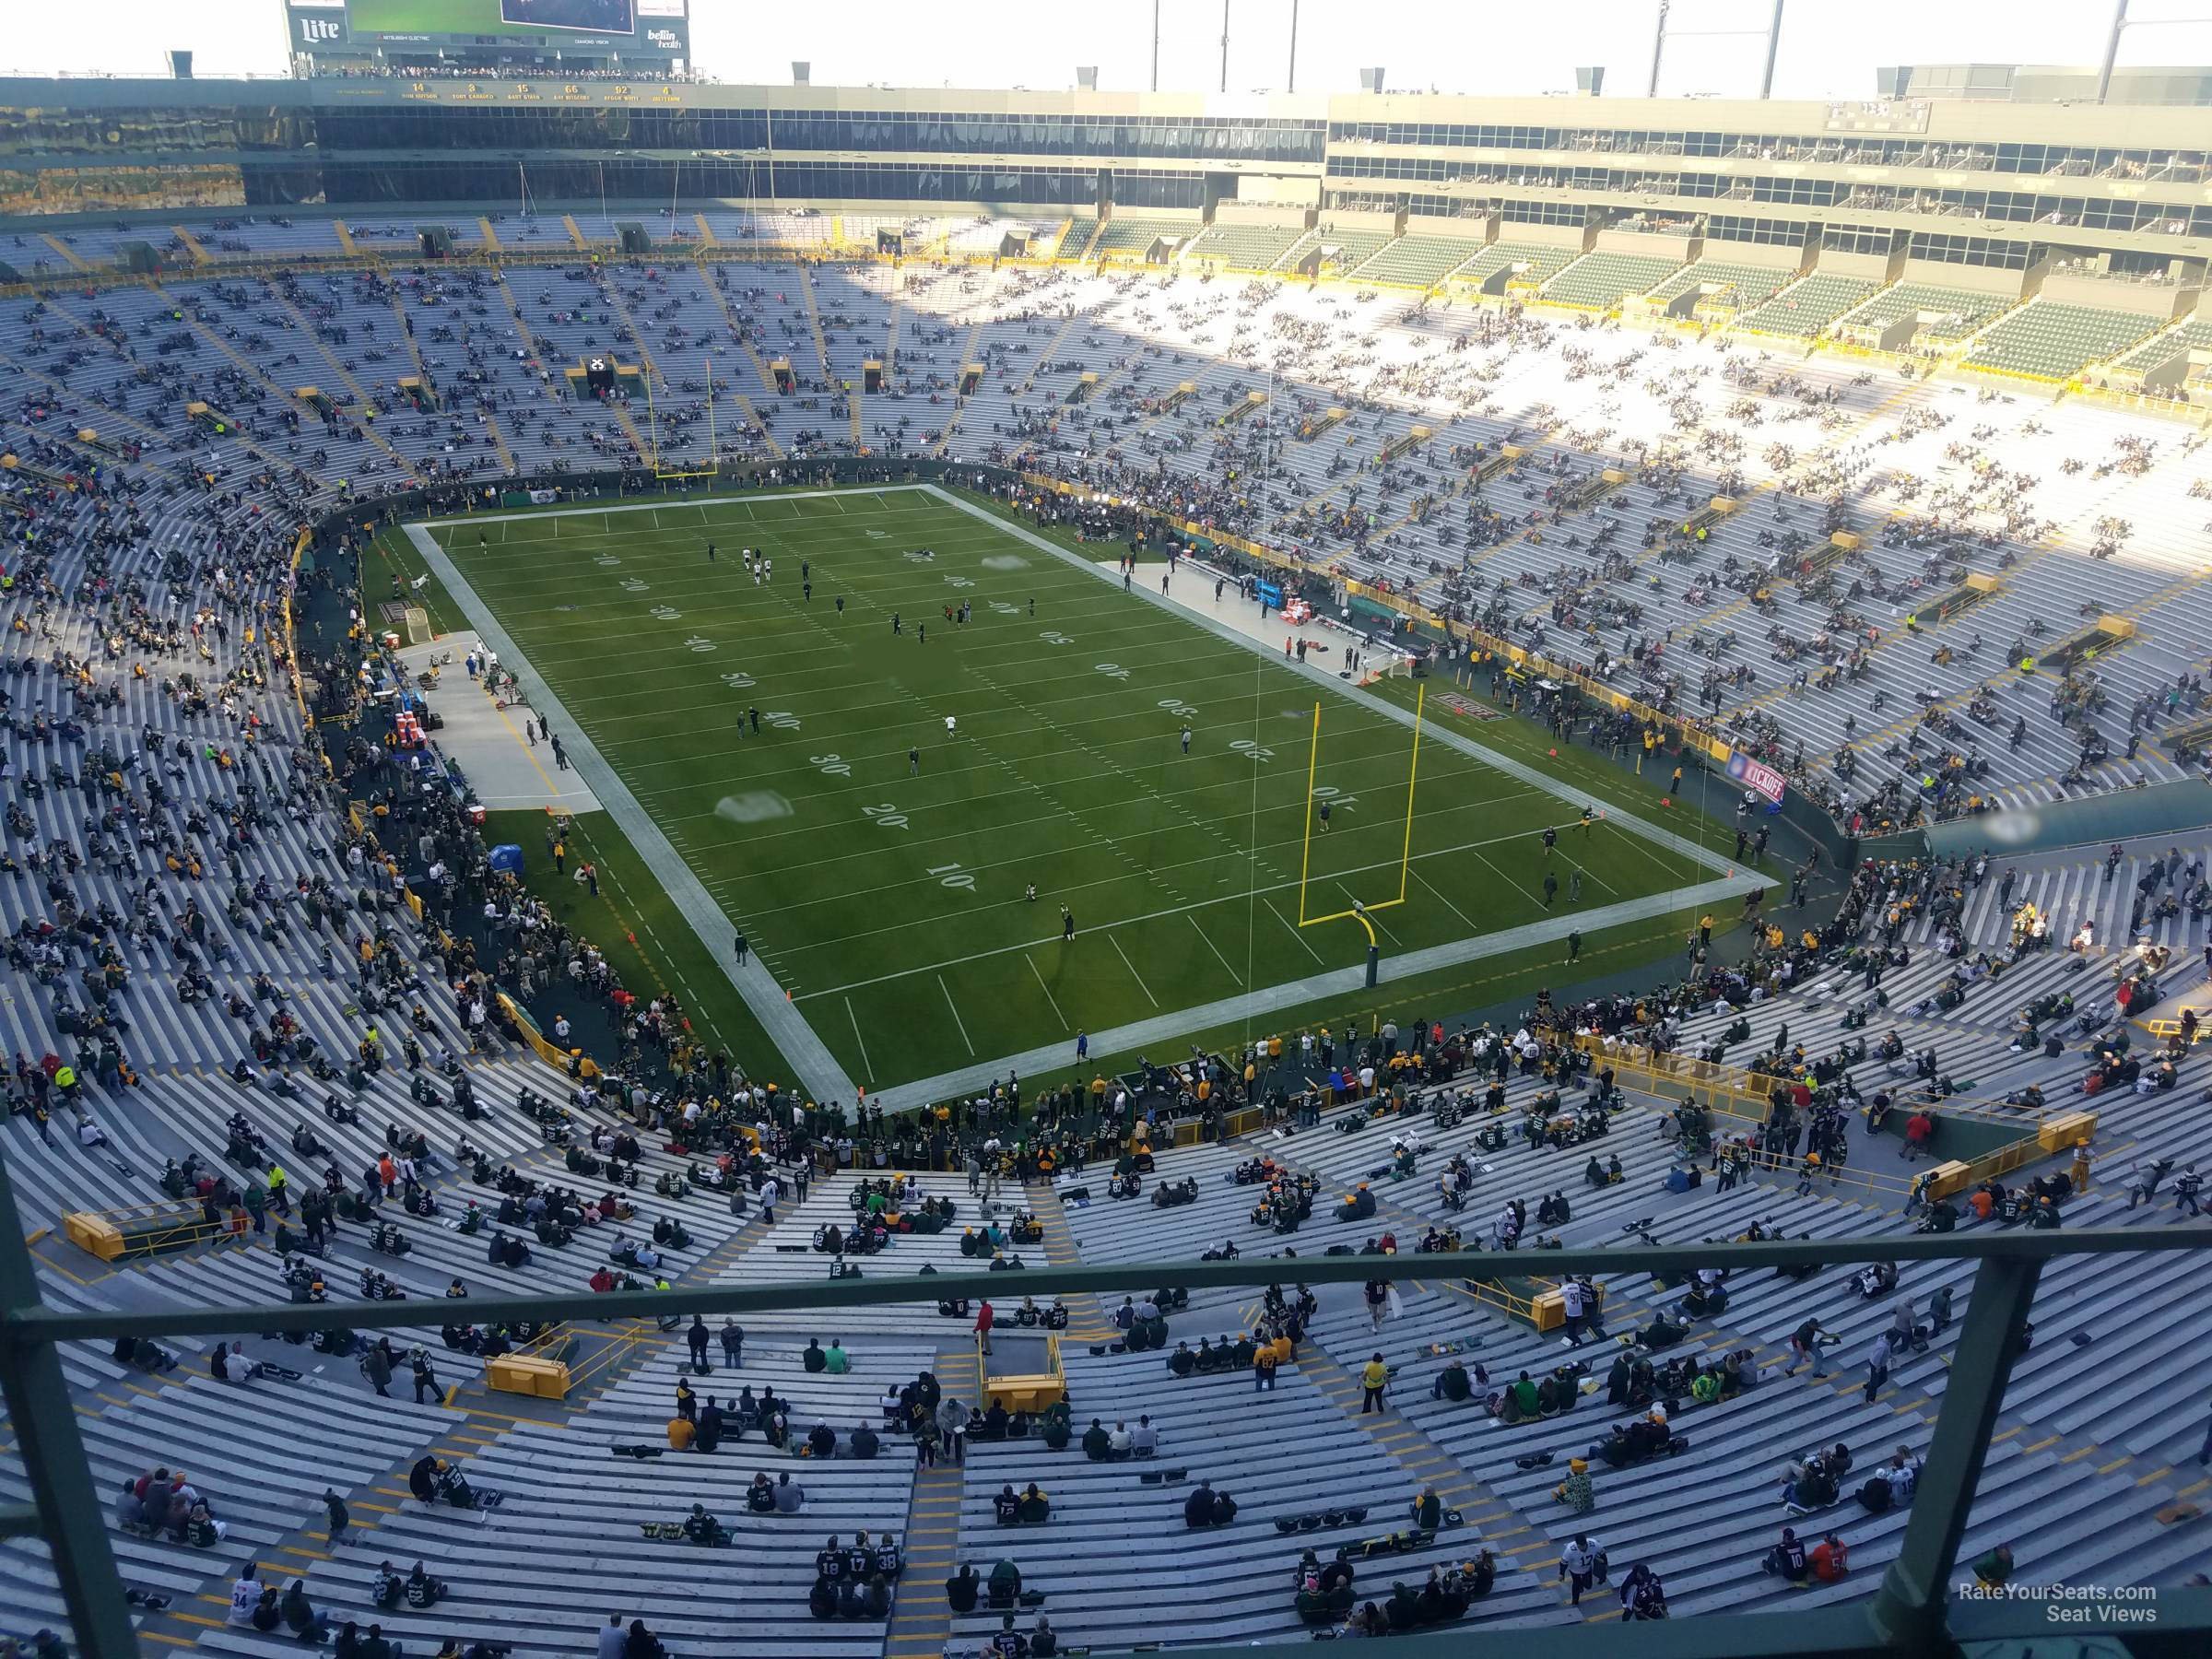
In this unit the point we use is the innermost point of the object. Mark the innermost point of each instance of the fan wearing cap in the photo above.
(1575, 1491)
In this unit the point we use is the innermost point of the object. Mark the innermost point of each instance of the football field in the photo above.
(908, 816)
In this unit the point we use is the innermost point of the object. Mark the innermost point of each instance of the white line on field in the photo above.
(866, 1063)
(958, 1023)
(1214, 948)
(1053, 1000)
(1446, 902)
(1133, 972)
(1293, 932)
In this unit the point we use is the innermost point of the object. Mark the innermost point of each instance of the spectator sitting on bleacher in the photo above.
(1645, 1438)
(834, 1359)
(790, 1495)
(821, 1441)
(963, 1590)
(1097, 1443)
(1206, 1507)
(702, 1528)
(245, 1595)
(1641, 1594)
(299, 1615)
(1182, 1362)
(1575, 1490)
(813, 1361)
(1455, 1382)
(1787, 1559)
(760, 1497)
(1811, 1485)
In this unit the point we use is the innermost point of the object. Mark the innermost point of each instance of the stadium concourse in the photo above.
(220, 995)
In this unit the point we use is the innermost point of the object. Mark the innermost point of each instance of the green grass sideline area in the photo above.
(880, 861)
(630, 921)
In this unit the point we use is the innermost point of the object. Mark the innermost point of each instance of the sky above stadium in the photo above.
(1830, 48)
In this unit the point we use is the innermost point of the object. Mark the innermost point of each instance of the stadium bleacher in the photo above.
(1945, 314)
(1936, 481)
(1599, 280)
(1737, 287)
(2052, 341)
(1244, 247)
(1807, 307)
(1418, 261)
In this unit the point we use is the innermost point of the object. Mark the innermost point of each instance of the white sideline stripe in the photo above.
(1265, 1005)
(808, 1055)
(746, 499)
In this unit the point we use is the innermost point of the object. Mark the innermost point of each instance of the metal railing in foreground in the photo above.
(1911, 1615)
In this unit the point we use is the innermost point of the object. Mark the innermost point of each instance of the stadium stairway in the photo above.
(921, 1621)
(1088, 1320)
(1503, 1532)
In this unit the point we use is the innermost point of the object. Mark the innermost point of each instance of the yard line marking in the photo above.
(867, 1065)
(1293, 932)
(1053, 1000)
(957, 1021)
(1131, 967)
(1214, 948)
(1448, 904)
(1284, 886)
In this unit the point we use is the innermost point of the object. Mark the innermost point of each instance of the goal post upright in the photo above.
(1360, 912)
(1305, 856)
(713, 469)
(1413, 773)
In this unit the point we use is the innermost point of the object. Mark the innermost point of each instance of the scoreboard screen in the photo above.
(442, 19)
(595, 17)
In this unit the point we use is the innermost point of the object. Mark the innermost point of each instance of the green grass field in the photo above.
(887, 889)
